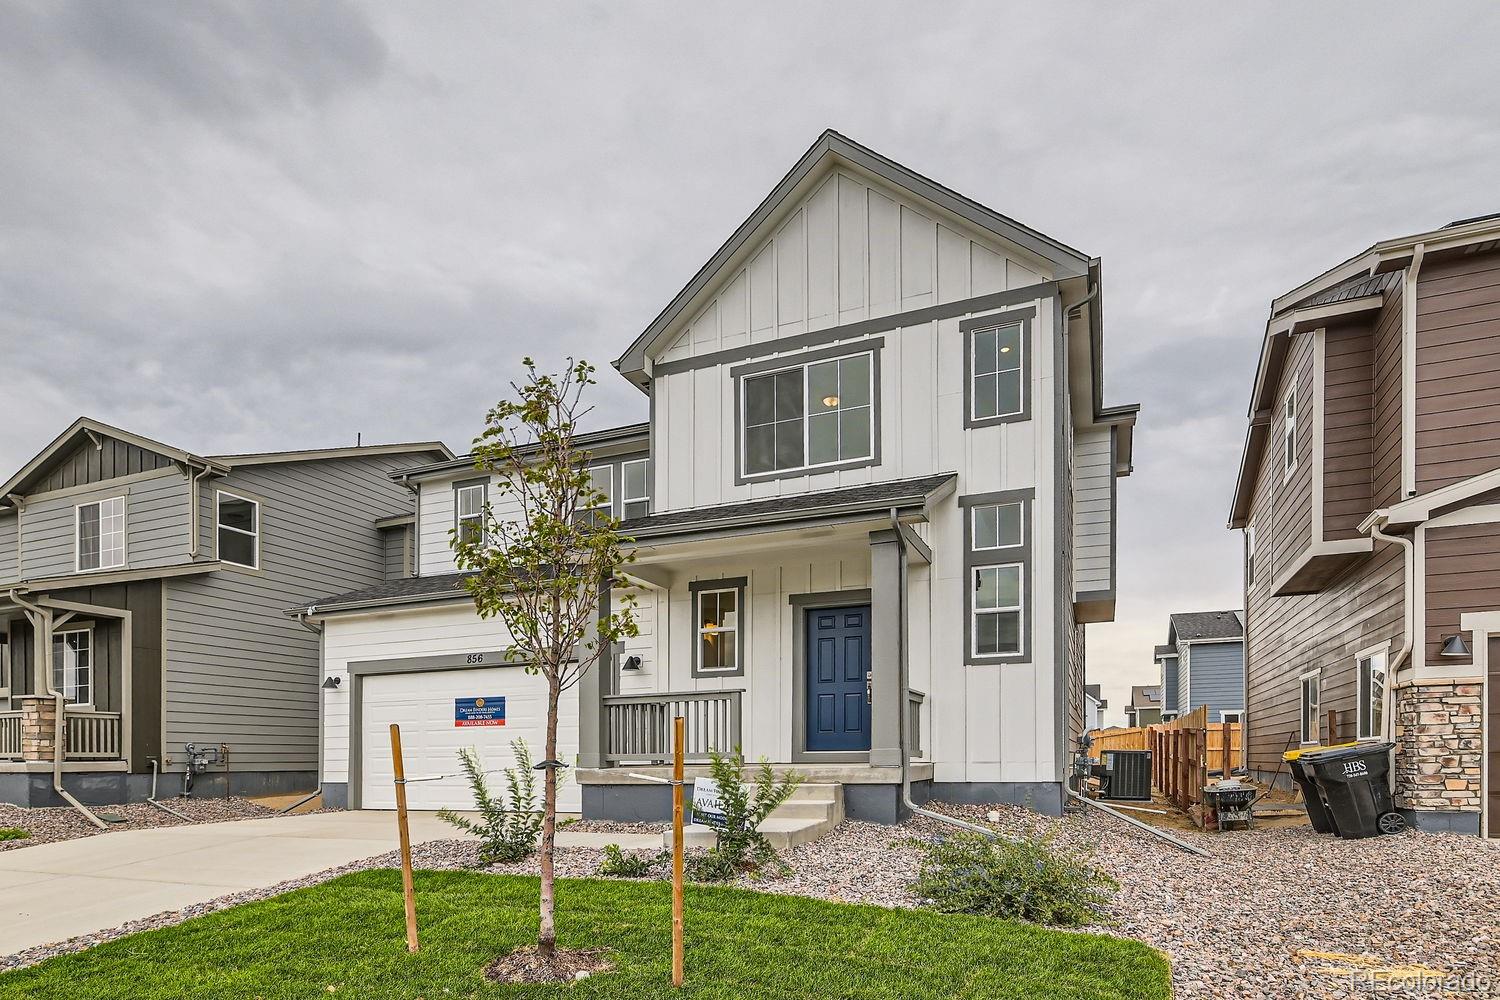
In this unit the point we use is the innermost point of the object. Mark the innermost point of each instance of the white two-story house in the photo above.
(873, 507)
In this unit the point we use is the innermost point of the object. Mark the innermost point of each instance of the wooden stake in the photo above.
(406, 886)
(679, 738)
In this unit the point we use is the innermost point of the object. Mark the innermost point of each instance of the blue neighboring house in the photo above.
(1203, 663)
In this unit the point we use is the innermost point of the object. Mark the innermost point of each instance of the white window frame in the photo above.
(1303, 715)
(700, 630)
(219, 526)
(1020, 506)
(78, 566)
(1019, 608)
(608, 506)
(1238, 715)
(1168, 716)
(1291, 408)
(58, 634)
(975, 375)
(625, 499)
(1363, 661)
(744, 395)
(5, 680)
(478, 516)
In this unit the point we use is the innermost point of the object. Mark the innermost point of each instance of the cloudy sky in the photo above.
(240, 227)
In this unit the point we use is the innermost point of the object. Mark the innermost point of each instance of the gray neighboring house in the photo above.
(1203, 663)
(1145, 706)
(145, 584)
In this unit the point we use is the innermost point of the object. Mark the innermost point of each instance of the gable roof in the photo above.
(1145, 696)
(832, 148)
(1203, 626)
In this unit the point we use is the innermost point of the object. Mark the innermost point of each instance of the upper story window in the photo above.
(1289, 431)
(1250, 554)
(73, 665)
(995, 369)
(635, 488)
(997, 526)
(1371, 671)
(808, 416)
(1310, 707)
(238, 530)
(468, 510)
(101, 534)
(602, 479)
(998, 600)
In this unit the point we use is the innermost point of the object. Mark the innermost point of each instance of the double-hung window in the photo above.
(718, 630)
(238, 530)
(73, 665)
(995, 369)
(100, 534)
(1310, 707)
(468, 508)
(1289, 431)
(809, 416)
(1372, 681)
(602, 481)
(635, 488)
(997, 609)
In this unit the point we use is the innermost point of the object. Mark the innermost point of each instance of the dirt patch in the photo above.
(528, 965)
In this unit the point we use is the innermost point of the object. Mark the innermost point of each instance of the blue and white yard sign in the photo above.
(479, 711)
(708, 808)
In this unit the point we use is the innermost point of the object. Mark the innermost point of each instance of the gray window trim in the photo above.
(1013, 555)
(71, 629)
(977, 324)
(741, 628)
(801, 605)
(466, 484)
(873, 346)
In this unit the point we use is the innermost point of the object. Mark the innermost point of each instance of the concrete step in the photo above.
(811, 811)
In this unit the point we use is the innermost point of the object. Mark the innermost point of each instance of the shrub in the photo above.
(1012, 879)
(618, 864)
(13, 833)
(507, 828)
(740, 846)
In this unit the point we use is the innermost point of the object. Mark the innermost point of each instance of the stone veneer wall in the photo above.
(38, 727)
(1439, 743)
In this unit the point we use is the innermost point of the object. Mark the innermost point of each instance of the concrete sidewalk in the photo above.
(52, 892)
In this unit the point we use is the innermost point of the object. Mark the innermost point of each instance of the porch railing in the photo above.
(639, 726)
(10, 735)
(92, 735)
(914, 701)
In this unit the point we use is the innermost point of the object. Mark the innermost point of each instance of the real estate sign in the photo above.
(479, 711)
(708, 808)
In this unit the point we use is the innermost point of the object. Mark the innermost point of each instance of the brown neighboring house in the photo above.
(1145, 706)
(1369, 497)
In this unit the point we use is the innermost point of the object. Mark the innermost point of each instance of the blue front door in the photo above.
(838, 664)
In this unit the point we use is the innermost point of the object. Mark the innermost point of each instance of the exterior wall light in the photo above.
(1455, 646)
(331, 683)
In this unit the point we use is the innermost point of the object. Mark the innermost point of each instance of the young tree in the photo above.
(541, 568)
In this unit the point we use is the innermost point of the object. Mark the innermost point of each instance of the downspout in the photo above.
(196, 484)
(155, 770)
(302, 619)
(1409, 583)
(59, 731)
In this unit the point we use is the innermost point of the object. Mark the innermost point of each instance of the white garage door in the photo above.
(427, 705)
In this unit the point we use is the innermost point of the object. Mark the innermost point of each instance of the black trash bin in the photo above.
(1316, 814)
(1354, 785)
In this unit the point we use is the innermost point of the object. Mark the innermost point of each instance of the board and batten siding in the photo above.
(1093, 512)
(1348, 422)
(1217, 677)
(238, 670)
(156, 527)
(1458, 370)
(87, 463)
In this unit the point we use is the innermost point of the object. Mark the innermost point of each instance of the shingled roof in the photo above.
(1198, 626)
(410, 589)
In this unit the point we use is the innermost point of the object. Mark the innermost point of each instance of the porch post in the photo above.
(885, 654)
(592, 687)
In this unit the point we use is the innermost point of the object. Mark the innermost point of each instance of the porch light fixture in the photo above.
(1455, 646)
(331, 683)
(1005, 350)
(830, 401)
(631, 663)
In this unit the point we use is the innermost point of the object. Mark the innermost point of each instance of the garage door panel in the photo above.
(423, 705)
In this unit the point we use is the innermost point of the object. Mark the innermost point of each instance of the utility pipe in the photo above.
(156, 769)
(60, 701)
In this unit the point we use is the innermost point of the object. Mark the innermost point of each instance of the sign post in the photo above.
(406, 886)
(679, 738)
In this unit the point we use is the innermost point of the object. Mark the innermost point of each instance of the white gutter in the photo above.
(196, 501)
(1409, 582)
(59, 731)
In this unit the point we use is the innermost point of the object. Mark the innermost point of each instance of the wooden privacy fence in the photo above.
(1183, 752)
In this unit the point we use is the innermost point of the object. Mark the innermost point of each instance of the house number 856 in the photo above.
(474, 658)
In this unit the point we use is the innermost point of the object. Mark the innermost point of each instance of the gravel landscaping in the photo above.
(48, 825)
(1273, 913)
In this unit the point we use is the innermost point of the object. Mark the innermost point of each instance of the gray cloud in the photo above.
(239, 226)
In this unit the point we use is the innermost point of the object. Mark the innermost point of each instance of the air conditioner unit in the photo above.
(1127, 775)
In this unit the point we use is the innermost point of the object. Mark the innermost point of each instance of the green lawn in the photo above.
(345, 938)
